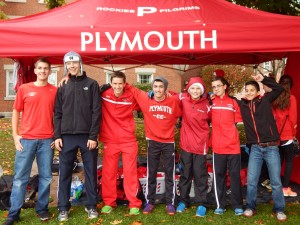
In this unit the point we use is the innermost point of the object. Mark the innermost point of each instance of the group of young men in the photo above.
(84, 113)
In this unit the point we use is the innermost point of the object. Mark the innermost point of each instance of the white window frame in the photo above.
(52, 79)
(109, 70)
(9, 70)
(41, 1)
(145, 71)
(21, 1)
(267, 65)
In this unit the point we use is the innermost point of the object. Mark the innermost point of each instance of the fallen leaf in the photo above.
(115, 222)
(137, 223)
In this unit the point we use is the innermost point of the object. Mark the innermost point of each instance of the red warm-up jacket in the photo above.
(225, 136)
(286, 120)
(194, 132)
(118, 124)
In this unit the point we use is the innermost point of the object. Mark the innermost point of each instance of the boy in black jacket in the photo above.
(76, 125)
(262, 134)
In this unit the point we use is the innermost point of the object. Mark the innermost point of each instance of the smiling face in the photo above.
(219, 88)
(42, 71)
(195, 92)
(117, 85)
(73, 68)
(159, 90)
(251, 92)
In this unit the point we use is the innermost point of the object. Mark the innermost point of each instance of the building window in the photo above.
(41, 1)
(16, 0)
(109, 70)
(145, 75)
(144, 78)
(52, 79)
(10, 83)
(267, 66)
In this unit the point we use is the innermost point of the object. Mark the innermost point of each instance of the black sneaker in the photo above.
(8, 221)
(44, 216)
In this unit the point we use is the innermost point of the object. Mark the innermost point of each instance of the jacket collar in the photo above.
(78, 78)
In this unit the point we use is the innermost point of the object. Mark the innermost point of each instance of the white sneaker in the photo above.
(249, 212)
(63, 216)
(92, 213)
(281, 216)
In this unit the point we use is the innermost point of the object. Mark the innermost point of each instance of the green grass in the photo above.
(159, 216)
(120, 214)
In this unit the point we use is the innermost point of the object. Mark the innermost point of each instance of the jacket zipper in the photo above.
(254, 124)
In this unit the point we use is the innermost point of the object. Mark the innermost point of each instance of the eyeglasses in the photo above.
(217, 86)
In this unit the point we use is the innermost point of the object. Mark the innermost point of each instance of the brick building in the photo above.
(135, 73)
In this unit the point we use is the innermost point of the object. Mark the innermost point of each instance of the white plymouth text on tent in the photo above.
(153, 40)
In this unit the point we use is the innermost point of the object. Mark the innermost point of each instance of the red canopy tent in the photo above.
(153, 32)
(156, 32)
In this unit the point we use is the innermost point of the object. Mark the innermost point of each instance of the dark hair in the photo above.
(43, 60)
(118, 74)
(283, 100)
(254, 84)
(222, 79)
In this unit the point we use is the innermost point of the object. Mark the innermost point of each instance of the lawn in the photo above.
(120, 214)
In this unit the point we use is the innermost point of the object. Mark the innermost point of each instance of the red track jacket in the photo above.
(117, 121)
(225, 136)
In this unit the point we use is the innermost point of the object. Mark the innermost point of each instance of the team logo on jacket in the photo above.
(31, 94)
(230, 106)
(86, 88)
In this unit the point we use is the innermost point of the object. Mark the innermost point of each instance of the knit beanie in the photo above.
(199, 85)
(72, 57)
(162, 79)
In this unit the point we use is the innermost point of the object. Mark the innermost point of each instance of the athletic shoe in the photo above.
(134, 211)
(148, 208)
(287, 192)
(201, 211)
(219, 211)
(281, 216)
(63, 216)
(106, 209)
(249, 212)
(44, 216)
(92, 213)
(181, 207)
(238, 211)
(266, 184)
(170, 209)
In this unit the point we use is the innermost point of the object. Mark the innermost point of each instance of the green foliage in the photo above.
(286, 7)
(51, 4)
(3, 16)
(144, 87)
(236, 75)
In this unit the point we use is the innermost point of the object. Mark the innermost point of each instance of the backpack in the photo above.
(5, 191)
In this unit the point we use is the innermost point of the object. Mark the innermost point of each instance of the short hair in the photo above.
(43, 60)
(118, 74)
(254, 84)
